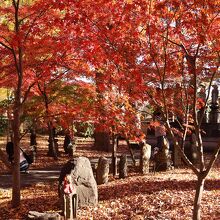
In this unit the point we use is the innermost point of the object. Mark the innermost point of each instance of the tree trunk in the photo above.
(114, 154)
(16, 166)
(33, 141)
(131, 152)
(52, 150)
(198, 198)
(17, 109)
(102, 141)
(123, 166)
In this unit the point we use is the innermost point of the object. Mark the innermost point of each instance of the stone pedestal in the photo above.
(70, 206)
(214, 114)
(212, 128)
(145, 158)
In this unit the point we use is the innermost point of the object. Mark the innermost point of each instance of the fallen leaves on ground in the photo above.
(156, 196)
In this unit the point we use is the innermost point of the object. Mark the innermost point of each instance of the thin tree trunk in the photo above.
(16, 166)
(131, 152)
(52, 151)
(198, 198)
(17, 108)
(114, 154)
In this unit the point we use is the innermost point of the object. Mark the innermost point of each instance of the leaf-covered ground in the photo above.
(162, 195)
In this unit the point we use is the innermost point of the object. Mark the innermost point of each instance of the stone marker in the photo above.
(102, 171)
(162, 158)
(34, 215)
(82, 177)
(145, 157)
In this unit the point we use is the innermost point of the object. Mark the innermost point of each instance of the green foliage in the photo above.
(84, 129)
(3, 124)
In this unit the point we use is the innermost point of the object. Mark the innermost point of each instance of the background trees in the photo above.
(102, 60)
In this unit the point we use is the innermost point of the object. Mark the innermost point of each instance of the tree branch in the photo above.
(27, 92)
(7, 47)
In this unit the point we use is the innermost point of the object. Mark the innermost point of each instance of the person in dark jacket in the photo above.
(24, 165)
(67, 142)
(10, 151)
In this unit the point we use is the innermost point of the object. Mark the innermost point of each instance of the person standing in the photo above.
(67, 142)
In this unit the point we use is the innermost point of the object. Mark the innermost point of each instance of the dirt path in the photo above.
(32, 177)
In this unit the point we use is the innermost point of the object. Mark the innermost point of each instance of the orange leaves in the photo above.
(200, 103)
(154, 123)
(138, 45)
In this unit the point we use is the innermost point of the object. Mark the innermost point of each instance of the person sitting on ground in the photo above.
(24, 165)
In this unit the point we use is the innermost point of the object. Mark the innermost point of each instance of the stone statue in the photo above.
(215, 95)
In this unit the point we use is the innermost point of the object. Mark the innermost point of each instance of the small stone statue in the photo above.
(145, 157)
(215, 95)
(102, 171)
(70, 198)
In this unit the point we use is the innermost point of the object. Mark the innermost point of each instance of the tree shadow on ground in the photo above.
(33, 177)
(41, 204)
(150, 187)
